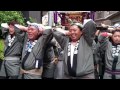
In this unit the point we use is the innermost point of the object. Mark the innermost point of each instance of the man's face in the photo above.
(11, 29)
(116, 37)
(33, 33)
(75, 33)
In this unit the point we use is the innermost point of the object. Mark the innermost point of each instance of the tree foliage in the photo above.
(1, 49)
(6, 16)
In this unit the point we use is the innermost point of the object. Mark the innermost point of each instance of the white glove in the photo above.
(28, 23)
(61, 30)
(47, 27)
(103, 25)
(5, 25)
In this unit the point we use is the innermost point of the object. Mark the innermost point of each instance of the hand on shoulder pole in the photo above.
(106, 34)
(21, 27)
(65, 32)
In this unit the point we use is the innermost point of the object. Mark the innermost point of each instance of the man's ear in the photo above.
(38, 32)
(81, 32)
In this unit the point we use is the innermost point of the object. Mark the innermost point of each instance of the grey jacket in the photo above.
(37, 53)
(106, 46)
(11, 67)
(85, 63)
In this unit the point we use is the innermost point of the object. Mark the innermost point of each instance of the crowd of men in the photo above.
(85, 51)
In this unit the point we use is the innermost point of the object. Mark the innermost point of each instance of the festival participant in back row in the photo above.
(78, 50)
(100, 53)
(110, 45)
(13, 48)
(50, 60)
(35, 41)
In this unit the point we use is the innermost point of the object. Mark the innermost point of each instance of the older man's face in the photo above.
(33, 33)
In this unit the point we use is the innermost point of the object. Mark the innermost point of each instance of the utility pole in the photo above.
(50, 18)
(26, 15)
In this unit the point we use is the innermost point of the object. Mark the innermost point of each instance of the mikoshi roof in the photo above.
(73, 11)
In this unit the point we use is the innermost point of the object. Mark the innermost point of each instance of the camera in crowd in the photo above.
(102, 29)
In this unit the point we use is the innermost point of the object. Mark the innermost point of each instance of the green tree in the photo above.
(6, 16)
(32, 19)
(1, 49)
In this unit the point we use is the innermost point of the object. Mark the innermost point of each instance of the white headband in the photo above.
(36, 25)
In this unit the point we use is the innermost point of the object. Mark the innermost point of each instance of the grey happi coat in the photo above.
(11, 67)
(85, 62)
(106, 47)
(37, 53)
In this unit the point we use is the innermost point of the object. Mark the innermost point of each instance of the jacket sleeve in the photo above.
(103, 41)
(89, 30)
(43, 41)
(94, 47)
(97, 53)
(61, 38)
(49, 53)
(20, 34)
(5, 32)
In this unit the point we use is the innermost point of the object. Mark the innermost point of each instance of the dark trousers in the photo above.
(1, 63)
(9, 77)
(96, 72)
(46, 78)
(101, 71)
(12, 77)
